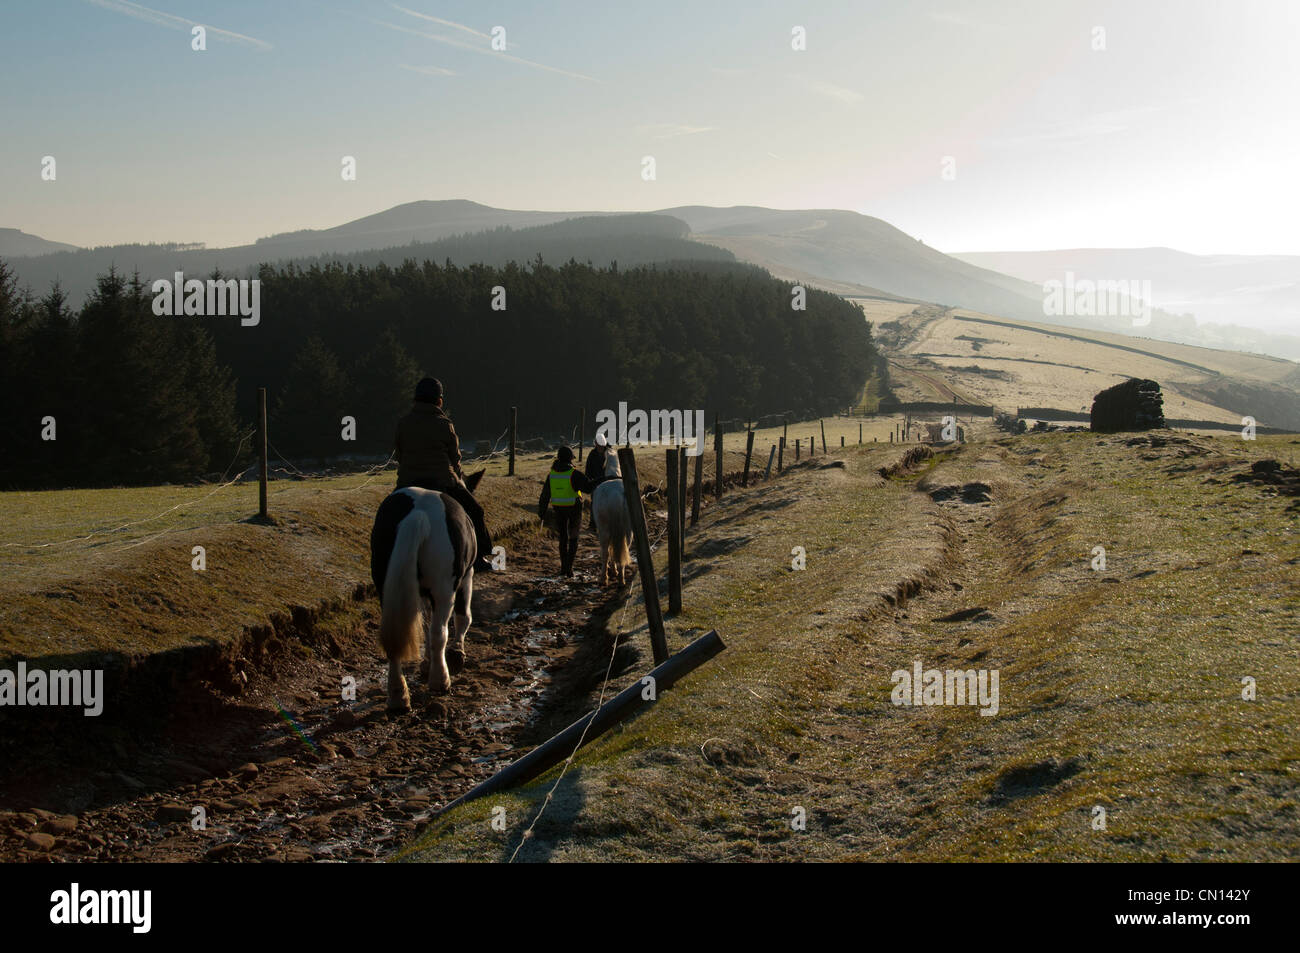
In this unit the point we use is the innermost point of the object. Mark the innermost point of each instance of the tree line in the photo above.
(138, 398)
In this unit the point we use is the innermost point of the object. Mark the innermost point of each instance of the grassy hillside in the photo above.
(1010, 364)
(1119, 688)
(111, 570)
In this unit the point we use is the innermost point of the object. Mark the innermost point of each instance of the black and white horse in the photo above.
(423, 544)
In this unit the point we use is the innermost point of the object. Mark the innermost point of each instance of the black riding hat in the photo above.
(428, 391)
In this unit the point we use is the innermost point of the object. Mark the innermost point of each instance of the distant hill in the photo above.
(403, 224)
(1261, 291)
(406, 231)
(846, 252)
(17, 244)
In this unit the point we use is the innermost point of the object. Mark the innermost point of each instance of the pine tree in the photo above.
(385, 381)
(315, 397)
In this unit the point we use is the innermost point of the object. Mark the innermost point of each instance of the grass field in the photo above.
(990, 362)
(1121, 688)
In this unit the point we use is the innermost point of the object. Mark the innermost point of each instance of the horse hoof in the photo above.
(443, 689)
(455, 660)
(403, 708)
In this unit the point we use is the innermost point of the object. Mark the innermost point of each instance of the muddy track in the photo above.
(279, 766)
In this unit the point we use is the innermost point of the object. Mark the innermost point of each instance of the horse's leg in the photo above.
(423, 665)
(439, 677)
(604, 556)
(399, 697)
(461, 620)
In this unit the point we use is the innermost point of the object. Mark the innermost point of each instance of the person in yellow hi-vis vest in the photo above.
(562, 490)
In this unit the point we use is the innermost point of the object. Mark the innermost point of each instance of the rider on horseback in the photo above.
(428, 456)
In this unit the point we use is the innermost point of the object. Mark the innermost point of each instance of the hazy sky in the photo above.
(1184, 131)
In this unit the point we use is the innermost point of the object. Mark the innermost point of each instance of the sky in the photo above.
(972, 126)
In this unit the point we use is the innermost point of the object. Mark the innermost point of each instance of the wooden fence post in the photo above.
(859, 432)
(695, 496)
(749, 452)
(717, 458)
(681, 497)
(798, 445)
(649, 587)
(823, 426)
(673, 468)
(767, 474)
(514, 423)
(780, 457)
(261, 444)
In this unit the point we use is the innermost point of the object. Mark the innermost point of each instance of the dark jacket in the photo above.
(427, 450)
(578, 480)
(596, 464)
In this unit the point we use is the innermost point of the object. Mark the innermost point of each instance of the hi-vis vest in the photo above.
(562, 491)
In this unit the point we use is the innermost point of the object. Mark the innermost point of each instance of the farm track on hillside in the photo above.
(287, 770)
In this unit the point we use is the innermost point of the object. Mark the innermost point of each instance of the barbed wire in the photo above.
(108, 532)
(609, 668)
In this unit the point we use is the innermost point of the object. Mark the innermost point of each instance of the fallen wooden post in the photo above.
(595, 723)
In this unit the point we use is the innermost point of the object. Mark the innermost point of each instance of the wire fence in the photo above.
(222, 483)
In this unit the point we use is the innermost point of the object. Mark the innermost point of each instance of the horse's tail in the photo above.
(620, 525)
(623, 533)
(402, 623)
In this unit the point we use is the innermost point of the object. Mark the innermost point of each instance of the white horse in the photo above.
(613, 523)
(423, 544)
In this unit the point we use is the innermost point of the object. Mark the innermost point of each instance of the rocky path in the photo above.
(289, 770)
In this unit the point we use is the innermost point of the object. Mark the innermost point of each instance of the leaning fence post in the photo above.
(645, 565)
(749, 452)
(672, 465)
(823, 426)
(767, 474)
(514, 424)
